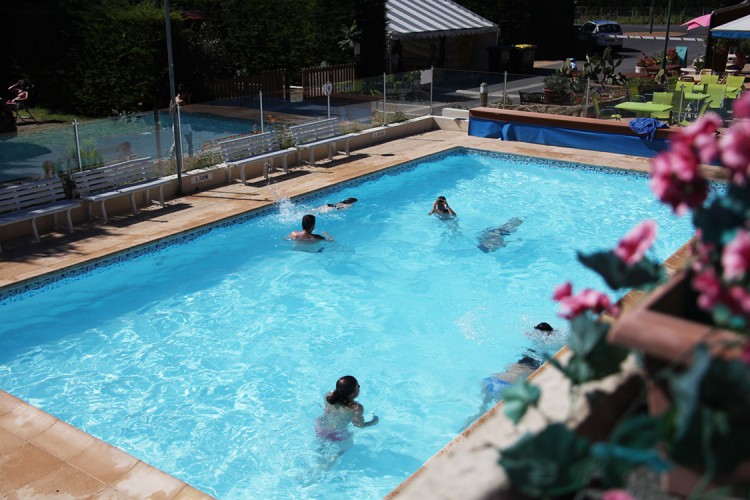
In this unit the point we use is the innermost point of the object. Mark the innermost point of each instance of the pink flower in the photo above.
(700, 137)
(740, 302)
(676, 181)
(735, 259)
(562, 291)
(735, 151)
(741, 107)
(586, 300)
(745, 356)
(634, 245)
(617, 495)
(709, 289)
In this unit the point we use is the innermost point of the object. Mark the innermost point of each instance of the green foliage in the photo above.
(519, 398)
(603, 68)
(554, 462)
(619, 275)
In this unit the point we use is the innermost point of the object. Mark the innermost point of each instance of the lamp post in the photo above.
(175, 114)
(666, 38)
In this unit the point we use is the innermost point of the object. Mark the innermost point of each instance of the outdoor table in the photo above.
(643, 109)
(690, 96)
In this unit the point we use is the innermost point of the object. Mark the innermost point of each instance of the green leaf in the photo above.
(554, 462)
(518, 398)
(617, 274)
(685, 388)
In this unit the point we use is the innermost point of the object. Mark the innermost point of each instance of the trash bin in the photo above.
(499, 58)
(523, 57)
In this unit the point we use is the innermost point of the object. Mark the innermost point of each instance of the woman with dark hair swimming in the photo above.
(340, 409)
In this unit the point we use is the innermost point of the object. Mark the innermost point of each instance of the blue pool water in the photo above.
(22, 156)
(210, 359)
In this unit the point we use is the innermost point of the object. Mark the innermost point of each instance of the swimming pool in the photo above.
(22, 156)
(210, 359)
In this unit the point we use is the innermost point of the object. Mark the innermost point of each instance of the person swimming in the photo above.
(340, 410)
(308, 226)
(494, 386)
(494, 237)
(342, 205)
(441, 209)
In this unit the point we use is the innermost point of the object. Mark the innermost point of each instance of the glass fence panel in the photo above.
(39, 154)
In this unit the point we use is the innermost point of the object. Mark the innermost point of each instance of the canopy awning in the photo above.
(739, 28)
(433, 18)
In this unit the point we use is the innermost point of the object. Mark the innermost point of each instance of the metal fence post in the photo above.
(505, 87)
(585, 109)
(78, 145)
(385, 110)
(260, 93)
(157, 133)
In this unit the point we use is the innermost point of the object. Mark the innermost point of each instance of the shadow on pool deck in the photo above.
(40, 455)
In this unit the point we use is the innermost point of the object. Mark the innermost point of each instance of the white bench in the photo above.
(120, 179)
(323, 132)
(248, 149)
(31, 200)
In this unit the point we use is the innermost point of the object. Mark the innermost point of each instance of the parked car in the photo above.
(600, 34)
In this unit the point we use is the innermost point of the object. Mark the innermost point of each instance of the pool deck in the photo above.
(41, 455)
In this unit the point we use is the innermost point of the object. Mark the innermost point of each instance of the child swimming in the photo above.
(341, 409)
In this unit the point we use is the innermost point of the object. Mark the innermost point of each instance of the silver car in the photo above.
(601, 34)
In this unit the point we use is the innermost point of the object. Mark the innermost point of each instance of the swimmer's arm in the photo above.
(359, 420)
(434, 209)
(325, 236)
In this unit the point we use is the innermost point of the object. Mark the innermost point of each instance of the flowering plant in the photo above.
(706, 428)
(646, 60)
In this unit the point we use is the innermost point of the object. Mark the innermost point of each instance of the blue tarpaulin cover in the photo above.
(571, 138)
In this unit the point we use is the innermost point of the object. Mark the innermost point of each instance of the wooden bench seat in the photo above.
(120, 179)
(34, 199)
(323, 132)
(248, 149)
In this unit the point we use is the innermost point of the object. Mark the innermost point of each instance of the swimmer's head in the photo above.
(308, 222)
(530, 362)
(349, 201)
(441, 199)
(543, 327)
(347, 387)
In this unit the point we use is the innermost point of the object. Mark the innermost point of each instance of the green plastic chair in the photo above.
(707, 80)
(716, 94)
(612, 112)
(635, 96)
(672, 83)
(735, 86)
(692, 117)
(686, 87)
(663, 98)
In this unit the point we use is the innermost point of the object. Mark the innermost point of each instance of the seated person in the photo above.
(308, 226)
(442, 209)
(22, 93)
(342, 205)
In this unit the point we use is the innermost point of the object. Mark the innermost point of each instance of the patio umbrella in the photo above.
(739, 28)
(703, 20)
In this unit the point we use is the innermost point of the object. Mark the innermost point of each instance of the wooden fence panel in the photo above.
(246, 89)
(342, 77)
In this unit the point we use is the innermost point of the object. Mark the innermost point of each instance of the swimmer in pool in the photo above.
(494, 237)
(340, 409)
(342, 205)
(308, 226)
(442, 209)
(493, 387)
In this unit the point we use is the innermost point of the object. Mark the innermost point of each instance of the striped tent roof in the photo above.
(433, 18)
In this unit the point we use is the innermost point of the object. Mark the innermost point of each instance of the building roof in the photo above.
(433, 18)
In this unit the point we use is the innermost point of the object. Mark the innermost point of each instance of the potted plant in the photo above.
(644, 62)
(698, 428)
(556, 86)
